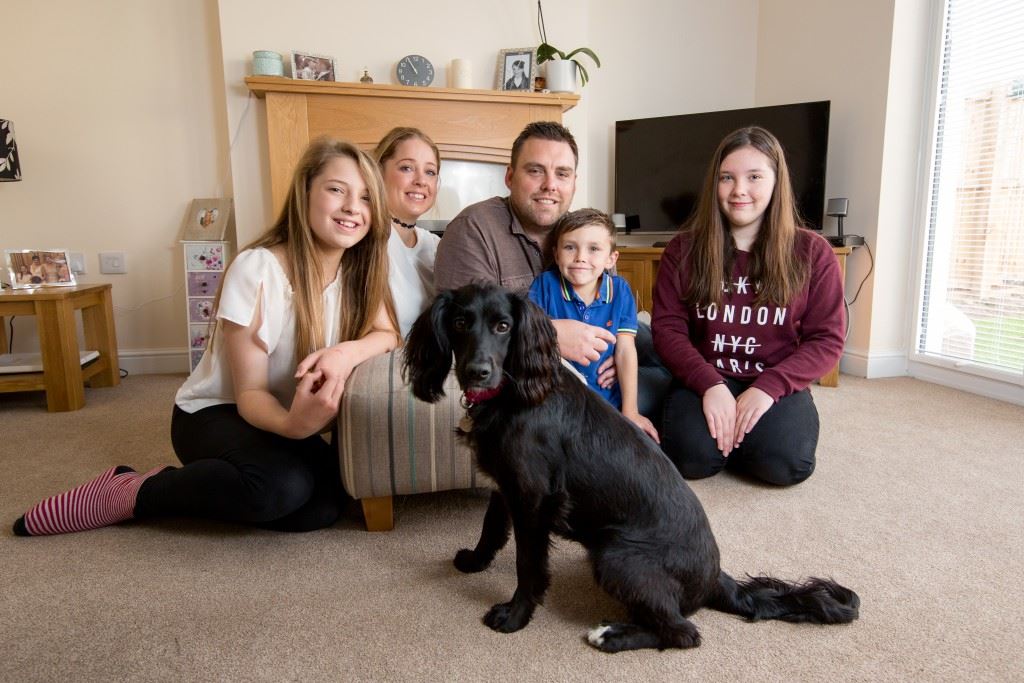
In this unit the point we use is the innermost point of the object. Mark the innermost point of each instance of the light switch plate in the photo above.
(113, 262)
(77, 262)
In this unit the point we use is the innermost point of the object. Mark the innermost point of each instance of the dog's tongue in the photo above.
(481, 395)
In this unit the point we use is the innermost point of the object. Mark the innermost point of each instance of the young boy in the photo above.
(578, 287)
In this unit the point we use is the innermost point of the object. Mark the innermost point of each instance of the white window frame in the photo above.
(960, 374)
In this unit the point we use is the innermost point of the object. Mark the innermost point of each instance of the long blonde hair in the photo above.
(364, 266)
(388, 144)
(773, 259)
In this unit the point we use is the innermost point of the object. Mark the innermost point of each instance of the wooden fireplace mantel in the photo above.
(471, 125)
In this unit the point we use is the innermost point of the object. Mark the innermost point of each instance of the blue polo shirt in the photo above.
(614, 309)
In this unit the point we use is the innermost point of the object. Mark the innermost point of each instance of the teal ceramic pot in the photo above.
(267, 63)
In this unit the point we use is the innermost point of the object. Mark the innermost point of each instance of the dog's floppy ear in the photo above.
(532, 359)
(428, 353)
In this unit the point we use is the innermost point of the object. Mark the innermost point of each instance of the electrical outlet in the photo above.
(77, 263)
(113, 262)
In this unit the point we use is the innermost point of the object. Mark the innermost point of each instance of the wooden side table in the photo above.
(63, 376)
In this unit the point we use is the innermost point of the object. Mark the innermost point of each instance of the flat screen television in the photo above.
(660, 162)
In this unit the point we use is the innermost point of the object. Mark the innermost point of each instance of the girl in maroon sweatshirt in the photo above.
(748, 311)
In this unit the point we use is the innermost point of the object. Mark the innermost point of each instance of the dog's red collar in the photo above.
(473, 397)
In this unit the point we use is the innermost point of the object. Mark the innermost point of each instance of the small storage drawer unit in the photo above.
(203, 283)
(204, 268)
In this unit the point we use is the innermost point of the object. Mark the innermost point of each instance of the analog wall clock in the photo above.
(415, 70)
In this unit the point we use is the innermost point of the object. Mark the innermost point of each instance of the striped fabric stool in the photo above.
(392, 444)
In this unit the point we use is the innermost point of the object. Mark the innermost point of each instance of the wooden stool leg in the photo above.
(98, 324)
(62, 367)
(379, 513)
(831, 378)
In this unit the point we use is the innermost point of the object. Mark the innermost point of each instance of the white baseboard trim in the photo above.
(154, 361)
(873, 365)
(971, 383)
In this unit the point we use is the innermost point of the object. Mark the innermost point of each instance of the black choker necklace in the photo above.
(404, 225)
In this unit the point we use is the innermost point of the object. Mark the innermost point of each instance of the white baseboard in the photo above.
(965, 381)
(897, 364)
(873, 365)
(154, 361)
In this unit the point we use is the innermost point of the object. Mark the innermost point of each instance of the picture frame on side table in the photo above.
(30, 268)
(311, 67)
(207, 220)
(516, 69)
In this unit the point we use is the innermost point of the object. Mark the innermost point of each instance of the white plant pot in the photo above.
(560, 75)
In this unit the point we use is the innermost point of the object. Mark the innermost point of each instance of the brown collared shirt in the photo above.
(486, 243)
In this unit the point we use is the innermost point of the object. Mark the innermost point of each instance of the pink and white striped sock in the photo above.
(107, 499)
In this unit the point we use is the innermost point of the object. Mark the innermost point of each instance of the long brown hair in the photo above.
(364, 266)
(774, 265)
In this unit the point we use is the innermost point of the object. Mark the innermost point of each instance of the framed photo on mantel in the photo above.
(516, 69)
(310, 67)
(206, 220)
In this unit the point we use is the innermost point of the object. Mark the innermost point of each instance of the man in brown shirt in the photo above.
(501, 239)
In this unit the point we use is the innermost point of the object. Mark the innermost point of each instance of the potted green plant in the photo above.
(560, 72)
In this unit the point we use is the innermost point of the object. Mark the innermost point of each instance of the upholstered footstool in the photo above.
(392, 444)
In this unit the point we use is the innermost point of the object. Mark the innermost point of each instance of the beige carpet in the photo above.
(917, 504)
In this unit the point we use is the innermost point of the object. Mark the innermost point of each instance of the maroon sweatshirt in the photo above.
(781, 349)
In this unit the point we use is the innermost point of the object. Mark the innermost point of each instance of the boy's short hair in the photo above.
(574, 220)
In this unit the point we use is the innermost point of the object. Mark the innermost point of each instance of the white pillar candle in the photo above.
(461, 74)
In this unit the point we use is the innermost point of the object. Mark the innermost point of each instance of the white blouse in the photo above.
(411, 276)
(256, 272)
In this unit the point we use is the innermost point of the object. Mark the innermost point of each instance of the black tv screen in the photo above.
(660, 162)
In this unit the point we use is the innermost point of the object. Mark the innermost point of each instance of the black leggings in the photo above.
(778, 450)
(236, 472)
(653, 380)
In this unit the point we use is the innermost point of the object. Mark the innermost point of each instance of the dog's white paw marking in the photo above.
(596, 636)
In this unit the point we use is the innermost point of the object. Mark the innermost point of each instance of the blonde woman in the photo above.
(298, 309)
(410, 164)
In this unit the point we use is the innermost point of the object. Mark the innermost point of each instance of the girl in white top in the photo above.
(297, 311)
(410, 163)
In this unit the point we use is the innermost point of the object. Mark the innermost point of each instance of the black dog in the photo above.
(568, 463)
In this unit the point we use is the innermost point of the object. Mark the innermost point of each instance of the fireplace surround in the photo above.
(468, 125)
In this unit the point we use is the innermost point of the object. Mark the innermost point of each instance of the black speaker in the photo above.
(839, 208)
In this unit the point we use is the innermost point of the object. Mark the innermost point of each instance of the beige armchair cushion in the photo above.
(390, 443)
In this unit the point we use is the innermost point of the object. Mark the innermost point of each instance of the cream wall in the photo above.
(901, 217)
(840, 51)
(660, 59)
(118, 109)
(127, 112)
(672, 37)
(375, 36)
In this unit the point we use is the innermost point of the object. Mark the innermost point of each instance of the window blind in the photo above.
(972, 303)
